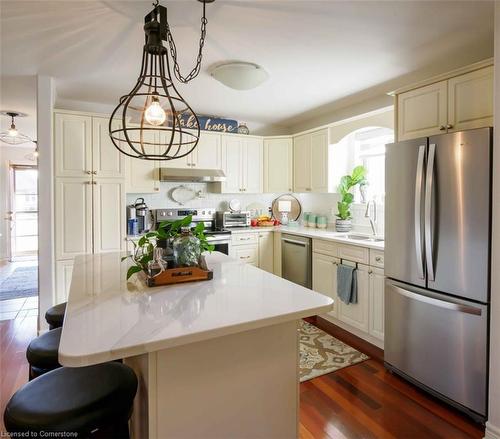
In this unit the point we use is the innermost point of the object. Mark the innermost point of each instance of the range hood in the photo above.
(193, 175)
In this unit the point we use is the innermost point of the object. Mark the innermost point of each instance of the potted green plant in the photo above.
(343, 222)
(167, 231)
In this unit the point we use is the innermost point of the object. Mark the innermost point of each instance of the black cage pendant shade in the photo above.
(149, 123)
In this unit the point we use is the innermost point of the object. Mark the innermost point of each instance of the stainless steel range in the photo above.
(220, 238)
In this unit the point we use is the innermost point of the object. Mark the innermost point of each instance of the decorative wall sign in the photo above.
(209, 123)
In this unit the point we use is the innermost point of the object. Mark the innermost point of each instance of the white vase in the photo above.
(343, 225)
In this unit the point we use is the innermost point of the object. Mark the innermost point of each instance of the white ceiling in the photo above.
(316, 52)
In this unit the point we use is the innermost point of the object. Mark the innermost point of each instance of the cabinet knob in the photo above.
(442, 128)
(449, 126)
(88, 172)
(370, 272)
(157, 189)
(289, 189)
(378, 259)
(94, 172)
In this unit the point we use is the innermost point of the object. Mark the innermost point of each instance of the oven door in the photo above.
(221, 244)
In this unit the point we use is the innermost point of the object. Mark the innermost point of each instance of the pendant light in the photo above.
(12, 136)
(148, 123)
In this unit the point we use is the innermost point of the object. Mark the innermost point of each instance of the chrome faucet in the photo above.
(373, 220)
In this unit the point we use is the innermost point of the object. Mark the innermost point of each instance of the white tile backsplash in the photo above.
(322, 204)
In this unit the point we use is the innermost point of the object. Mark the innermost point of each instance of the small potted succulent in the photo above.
(343, 222)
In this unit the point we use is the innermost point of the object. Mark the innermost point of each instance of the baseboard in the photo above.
(492, 431)
(352, 340)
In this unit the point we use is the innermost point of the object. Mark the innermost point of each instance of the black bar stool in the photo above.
(42, 353)
(78, 400)
(55, 315)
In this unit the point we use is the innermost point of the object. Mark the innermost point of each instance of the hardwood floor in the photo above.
(361, 401)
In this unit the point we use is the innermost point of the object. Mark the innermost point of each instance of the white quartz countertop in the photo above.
(325, 234)
(108, 318)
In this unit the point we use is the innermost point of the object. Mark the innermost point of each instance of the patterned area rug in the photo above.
(23, 282)
(321, 353)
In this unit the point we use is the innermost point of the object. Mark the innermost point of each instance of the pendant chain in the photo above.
(173, 52)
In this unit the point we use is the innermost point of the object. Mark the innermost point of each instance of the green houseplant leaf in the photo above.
(347, 183)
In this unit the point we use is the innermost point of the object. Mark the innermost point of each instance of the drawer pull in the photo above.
(244, 257)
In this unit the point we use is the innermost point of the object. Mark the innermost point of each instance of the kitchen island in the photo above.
(214, 359)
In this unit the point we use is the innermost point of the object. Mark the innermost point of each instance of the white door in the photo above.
(319, 161)
(72, 145)
(377, 282)
(423, 112)
(252, 165)
(302, 163)
(73, 217)
(208, 153)
(64, 271)
(109, 215)
(470, 100)
(324, 278)
(356, 314)
(266, 251)
(142, 175)
(232, 164)
(278, 165)
(107, 161)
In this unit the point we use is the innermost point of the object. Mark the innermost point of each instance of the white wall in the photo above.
(9, 155)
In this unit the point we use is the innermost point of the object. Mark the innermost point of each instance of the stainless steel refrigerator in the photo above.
(437, 265)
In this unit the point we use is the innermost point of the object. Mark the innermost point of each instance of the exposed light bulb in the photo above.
(13, 131)
(155, 115)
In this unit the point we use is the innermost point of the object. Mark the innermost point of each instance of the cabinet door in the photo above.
(208, 153)
(302, 163)
(422, 112)
(73, 217)
(252, 165)
(470, 100)
(356, 314)
(248, 254)
(182, 162)
(324, 278)
(107, 161)
(109, 215)
(232, 164)
(278, 165)
(64, 271)
(73, 145)
(376, 312)
(266, 251)
(319, 161)
(142, 175)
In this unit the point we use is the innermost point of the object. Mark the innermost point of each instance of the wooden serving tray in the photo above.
(181, 275)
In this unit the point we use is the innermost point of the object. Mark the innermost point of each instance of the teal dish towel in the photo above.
(347, 284)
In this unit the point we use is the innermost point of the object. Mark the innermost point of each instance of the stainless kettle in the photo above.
(143, 216)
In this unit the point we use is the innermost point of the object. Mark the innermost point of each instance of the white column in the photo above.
(45, 104)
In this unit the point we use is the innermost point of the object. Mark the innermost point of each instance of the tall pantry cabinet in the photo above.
(89, 188)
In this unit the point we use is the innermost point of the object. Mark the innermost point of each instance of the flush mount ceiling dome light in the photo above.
(240, 75)
(12, 136)
(153, 121)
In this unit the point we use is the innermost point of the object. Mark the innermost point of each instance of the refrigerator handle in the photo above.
(429, 180)
(418, 211)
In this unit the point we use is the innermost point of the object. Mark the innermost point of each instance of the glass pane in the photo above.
(26, 244)
(25, 181)
(26, 224)
(25, 202)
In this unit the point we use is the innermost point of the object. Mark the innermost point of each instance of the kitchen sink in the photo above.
(363, 238)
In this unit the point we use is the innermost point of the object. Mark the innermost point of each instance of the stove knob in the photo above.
(162, 213)
(170, 213)
(203, 213)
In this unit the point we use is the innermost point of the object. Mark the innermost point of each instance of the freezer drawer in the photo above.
(439, 341)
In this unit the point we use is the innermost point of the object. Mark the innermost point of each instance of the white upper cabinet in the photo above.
(109, 220)
(208, 153)
(73, 145)
(310, 162)
(460, 102)
(142, 175)
(107, 161)
(242, 162)
(470, 100)
(278, 165)
(73, 217)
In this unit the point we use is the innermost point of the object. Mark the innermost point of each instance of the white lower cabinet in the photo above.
(356, 314)
(376, 312)
(266, 251)
(248, 253)
(365, 318)
(64, 270)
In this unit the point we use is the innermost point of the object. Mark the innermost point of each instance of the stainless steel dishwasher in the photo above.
(296, 259)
